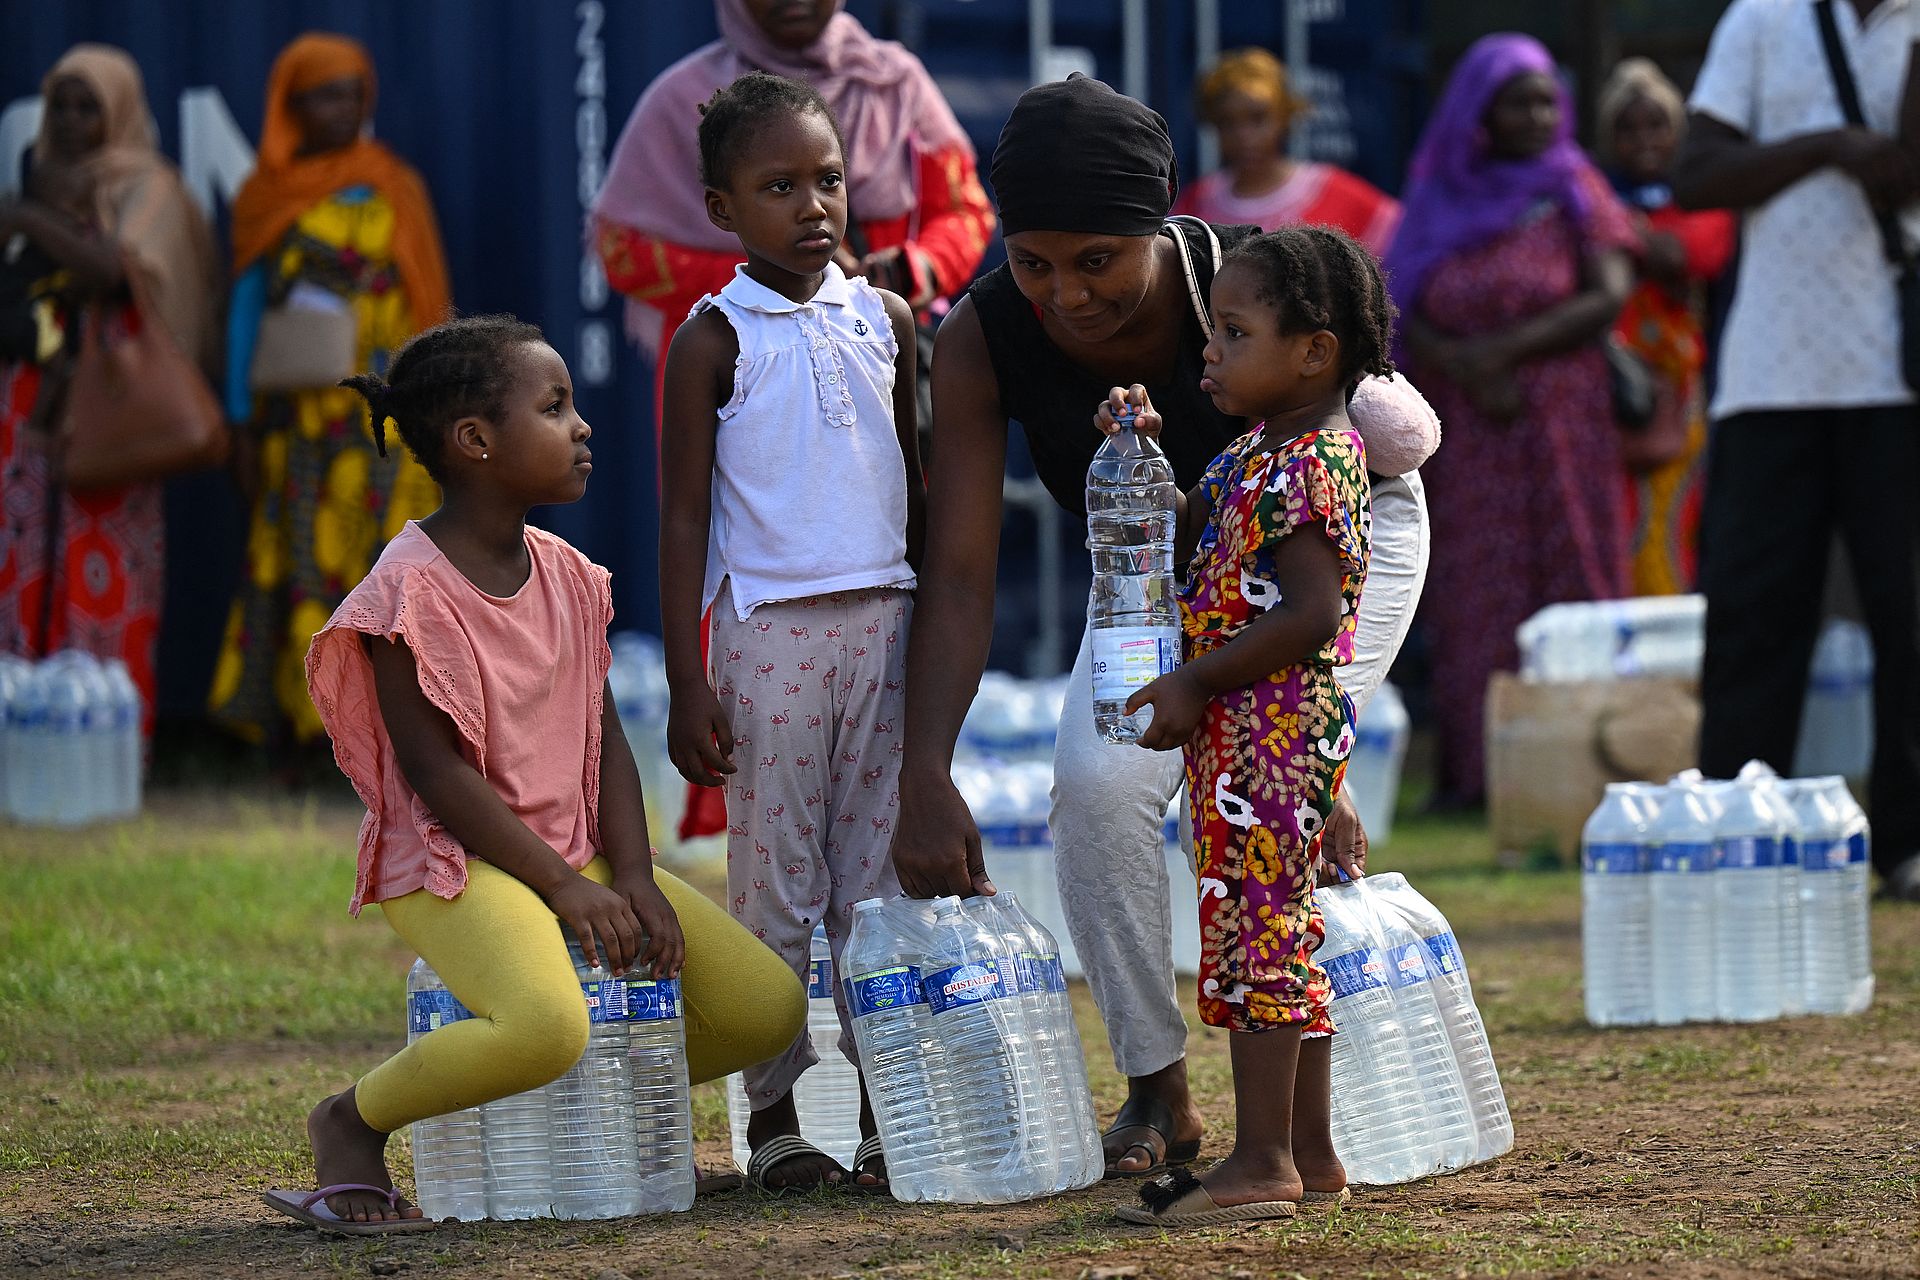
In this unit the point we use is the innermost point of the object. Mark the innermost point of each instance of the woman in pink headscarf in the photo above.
(921, 219)
(1510, 265)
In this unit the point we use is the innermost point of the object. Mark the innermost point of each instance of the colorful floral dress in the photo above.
(328, 502)
(1263, 772)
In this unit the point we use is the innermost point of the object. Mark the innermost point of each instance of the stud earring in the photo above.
(483, 455)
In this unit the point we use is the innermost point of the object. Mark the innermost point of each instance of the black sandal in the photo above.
(778, 1150)
(1157, 1117)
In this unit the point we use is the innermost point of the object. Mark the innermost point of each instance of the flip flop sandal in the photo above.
(1177, 1199)
(1157, 1116)
(1340, 1197)
(777, 1151)
(868, 1151)
(310, 1207)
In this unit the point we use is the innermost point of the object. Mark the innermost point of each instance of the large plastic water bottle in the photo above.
(1836, 719)
(30, 778)
(69, 744)
(595, 1162)
(1681, 905)
(14, 673)
(1746, 889)
(1466, 1032)
(1758, 776)
(905, 1063)
(827, 1096)
(662, 1100)
(450, 1151)
(1373, 770)
(1450, 1123)
(1083, 1162)
(128, 749)
(1035, 1054)
(1839, 965)
(978, 1023)
(1615, 907)
(1132, 618)
(1379, 1115)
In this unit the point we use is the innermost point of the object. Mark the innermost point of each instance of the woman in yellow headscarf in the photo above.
(330, 221)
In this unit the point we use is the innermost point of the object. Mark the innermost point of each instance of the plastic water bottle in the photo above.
(1082, 1160)
(827, 1096)
(1834, 867)
(662, 1099)
(1132, 618)
(69, 746)
(14, 673)
(1449, 1118)
(1379, 1115)
(1681, 906)
(594, 1160)
(449, 1151)
(1615, 910)
(979, 1027)
(1758, 776)
(1047, 1165)
(905, 1063)
(30, 777)
(1466, 1032)
(128, 712)
(1373, 770)
(1183, 888)
(1746, 882)
(1836, 719)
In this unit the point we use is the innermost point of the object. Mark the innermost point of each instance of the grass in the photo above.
(174, 991)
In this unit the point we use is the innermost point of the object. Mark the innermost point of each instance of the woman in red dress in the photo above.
(1509, 268)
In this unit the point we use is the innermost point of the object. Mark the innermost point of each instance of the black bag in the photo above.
(1892, 240)
(1636, 387)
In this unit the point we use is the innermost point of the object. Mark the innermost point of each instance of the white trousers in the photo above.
(1109, 802)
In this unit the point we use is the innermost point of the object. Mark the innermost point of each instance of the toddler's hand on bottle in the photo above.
(663, 947)
(1146, 420)
(1179, 703)
(608, 930)
(699, 740)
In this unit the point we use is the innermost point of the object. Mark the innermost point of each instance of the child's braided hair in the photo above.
(729, 118)
(443, 374)
(1319, 278)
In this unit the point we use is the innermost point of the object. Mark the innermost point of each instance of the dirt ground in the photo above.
(1790, 1149)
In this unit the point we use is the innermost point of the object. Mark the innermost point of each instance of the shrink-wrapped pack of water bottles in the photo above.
(1415, 1089)
(1730, 901)
(70, 745)
(611, 1138)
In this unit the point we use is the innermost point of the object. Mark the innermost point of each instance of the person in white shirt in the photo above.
(1815, 428)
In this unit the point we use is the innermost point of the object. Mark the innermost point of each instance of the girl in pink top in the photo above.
(464, 686)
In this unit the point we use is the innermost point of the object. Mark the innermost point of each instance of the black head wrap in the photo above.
(1076, 155)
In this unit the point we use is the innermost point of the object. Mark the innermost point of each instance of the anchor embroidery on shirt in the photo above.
(860, 327)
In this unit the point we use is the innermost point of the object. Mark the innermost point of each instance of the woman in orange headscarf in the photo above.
(331, 227)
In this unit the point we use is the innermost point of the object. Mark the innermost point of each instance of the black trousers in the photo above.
(1779, 485)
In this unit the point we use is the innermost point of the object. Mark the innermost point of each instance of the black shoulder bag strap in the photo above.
(1892, 239)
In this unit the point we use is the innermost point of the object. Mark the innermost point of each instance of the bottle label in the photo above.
(1356, 971)
(1127, 659)
(885, 989)
(1407, 965)
(1790, 851)
(820, 980)
(606, 1000)
(1040, 973)
(1857, 847)
(976, 982)
(651, 1000)
(431, 1010)
(1748, 853)
(1674, 857)
(1443, 950)
(1615, 858)
(1016, 835)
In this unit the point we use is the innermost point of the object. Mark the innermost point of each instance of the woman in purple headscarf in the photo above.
(1512, 260)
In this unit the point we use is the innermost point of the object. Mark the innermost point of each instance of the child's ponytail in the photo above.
(378, 394)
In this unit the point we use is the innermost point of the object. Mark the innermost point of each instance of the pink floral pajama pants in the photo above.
(813, 690)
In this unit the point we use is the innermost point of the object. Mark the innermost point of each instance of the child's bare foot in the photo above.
(1320, 1170)
(803, 1170)
(346, 1149)
(1245, 1179)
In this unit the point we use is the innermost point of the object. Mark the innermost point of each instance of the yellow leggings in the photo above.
(502, 953)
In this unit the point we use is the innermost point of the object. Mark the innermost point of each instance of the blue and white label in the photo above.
(606, 1000)
(1016, 835)
(820, 980)
(1128, 659)
(885, 989)
(1356, 971)
(975, 982)
(1040, 973)
(650, 1000)
(1790, 851)
(1857, 847)
(1680, 857)
(1615, 858)
(1831, 855)
(431, 1010)
(1748, 853)
(1443, 951)
(1407, 964)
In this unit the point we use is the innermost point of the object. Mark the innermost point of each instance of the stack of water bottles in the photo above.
(827, 1097)
(1736, 901)
(70, 745)
(611, 1138)
(973, 1062)
(1415, 1089)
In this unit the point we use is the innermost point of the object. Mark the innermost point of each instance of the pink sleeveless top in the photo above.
(521, 678)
